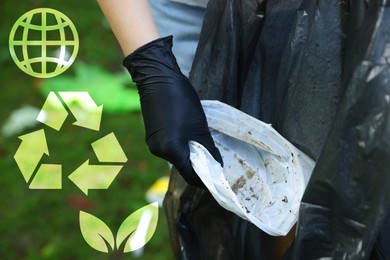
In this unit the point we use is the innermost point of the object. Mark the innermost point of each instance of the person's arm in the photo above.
(131, 21)
(171, 108)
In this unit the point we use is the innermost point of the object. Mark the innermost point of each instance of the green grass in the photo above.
(43, 224)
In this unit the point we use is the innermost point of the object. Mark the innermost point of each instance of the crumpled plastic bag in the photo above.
(264, 176)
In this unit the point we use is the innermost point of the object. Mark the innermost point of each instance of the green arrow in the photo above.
(30, 152)
(53, 113)
(84, 109)
(88, 177)
(108, 149)
(48, 176)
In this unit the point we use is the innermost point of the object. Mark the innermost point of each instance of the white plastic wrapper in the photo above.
(264, 176)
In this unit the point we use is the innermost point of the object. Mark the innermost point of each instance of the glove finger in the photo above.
(184, 166)
(208, 143)
(217, 155)
(191, 177)
(178, 154)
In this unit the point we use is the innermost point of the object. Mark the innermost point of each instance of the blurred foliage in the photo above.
(105, 87)
(44, 224)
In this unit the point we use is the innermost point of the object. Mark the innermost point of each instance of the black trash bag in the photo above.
(201, 229)
(348, 196)
(231, 34)
(198, 227)
(310, 74)
(290, 63)
(239, 53)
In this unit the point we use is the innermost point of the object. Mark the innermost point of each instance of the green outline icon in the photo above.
(21, 41)
(133, 234)
(53, 114)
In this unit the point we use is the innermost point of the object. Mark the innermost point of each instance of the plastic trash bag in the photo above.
(344, 207)
(318, 72)
(264, 176)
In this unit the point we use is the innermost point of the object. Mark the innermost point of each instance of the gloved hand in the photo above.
(170, 107)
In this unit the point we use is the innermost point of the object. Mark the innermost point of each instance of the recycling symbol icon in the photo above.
(87, 176)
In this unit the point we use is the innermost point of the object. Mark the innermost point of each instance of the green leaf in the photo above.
(140, 226)
(96, 233)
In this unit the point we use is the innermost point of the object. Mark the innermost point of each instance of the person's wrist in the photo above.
(163, 42)
(153, 60)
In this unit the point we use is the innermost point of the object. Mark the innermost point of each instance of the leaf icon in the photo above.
(96, 233)
(140, 226)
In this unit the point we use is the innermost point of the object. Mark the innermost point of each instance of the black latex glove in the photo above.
(170, 107)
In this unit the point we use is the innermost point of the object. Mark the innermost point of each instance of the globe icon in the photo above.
(43, 42)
